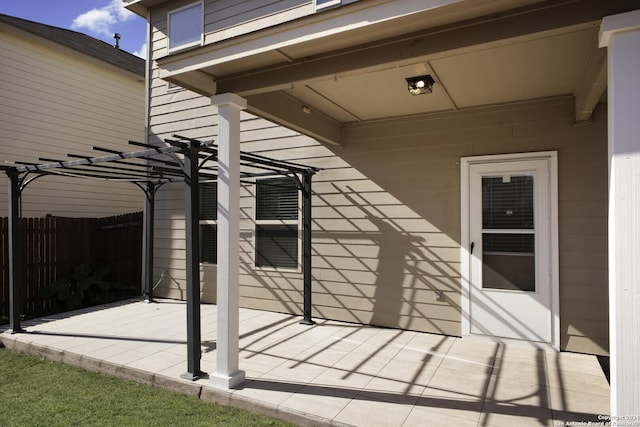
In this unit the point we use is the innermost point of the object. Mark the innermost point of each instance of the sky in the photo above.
(97, 18)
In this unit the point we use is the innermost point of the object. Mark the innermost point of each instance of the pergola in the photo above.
(181, 159)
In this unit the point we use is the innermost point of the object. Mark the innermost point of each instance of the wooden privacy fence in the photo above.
(53, 246)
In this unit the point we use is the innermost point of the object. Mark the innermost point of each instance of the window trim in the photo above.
(172, 87)
(256, 222)
(326, 4)
(186, 45)
(465, 241)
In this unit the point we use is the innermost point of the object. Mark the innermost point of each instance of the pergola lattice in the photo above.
(181, 159)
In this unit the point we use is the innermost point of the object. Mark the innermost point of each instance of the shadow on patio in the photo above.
(331, 373)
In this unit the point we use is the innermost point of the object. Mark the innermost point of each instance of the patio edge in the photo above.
(207, 394)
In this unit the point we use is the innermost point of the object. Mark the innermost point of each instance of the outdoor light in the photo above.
(420, 84)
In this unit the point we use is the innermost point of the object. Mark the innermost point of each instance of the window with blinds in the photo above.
(208, 226)
(508, 233)
(185, 26)
(507, 202)
(277, 224)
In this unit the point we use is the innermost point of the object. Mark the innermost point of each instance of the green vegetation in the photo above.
(85, 286)
(37, 392)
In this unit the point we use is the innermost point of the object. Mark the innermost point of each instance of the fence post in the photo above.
(15, 253)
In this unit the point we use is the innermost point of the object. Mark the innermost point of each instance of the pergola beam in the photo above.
(149, 178)
(94, 160)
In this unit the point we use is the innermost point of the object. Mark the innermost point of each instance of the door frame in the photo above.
(465, 254)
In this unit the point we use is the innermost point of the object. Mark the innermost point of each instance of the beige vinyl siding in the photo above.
(386, 215)
(386, 208)
(415, 159)
(183, 112)
(54, 102)
(225, 19)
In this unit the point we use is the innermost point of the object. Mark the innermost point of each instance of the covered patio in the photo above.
(341, 77)
(331, 373)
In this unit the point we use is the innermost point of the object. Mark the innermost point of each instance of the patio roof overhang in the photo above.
(180, 160)
(325, 75)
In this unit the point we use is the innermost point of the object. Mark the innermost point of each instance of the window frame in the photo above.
(199, 42)
(326, 4)
(207, 222)
(290, 222)
(172, 87)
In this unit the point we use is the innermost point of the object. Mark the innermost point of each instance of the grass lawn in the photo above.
(38, 392)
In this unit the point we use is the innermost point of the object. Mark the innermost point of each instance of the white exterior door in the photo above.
(510, 250)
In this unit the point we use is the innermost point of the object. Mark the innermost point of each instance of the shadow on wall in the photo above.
(380, 263)
(393, 246)
(386, 216)
(383, 243)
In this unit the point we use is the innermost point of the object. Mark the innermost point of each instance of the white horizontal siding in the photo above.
(54, 102)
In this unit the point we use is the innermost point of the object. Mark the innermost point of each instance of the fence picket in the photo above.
(53, 246)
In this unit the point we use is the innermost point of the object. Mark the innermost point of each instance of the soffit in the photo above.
(243, 53)
(141, 7)
(540, 68)
(543, 51)
(533, 69)
(441, 17)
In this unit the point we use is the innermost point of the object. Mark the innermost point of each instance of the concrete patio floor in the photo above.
(332, 373)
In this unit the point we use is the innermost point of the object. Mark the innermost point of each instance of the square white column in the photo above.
(621, 35)
(227, 373)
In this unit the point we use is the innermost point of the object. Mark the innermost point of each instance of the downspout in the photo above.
(149, 206)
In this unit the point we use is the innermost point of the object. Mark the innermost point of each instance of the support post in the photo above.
(192, 236)
(621, 35)
(306, 247)
(227, 373)
(15, 253)
(147, 249)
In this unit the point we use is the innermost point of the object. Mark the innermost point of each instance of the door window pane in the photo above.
(507, 202)
(508, 262)
(508, 257)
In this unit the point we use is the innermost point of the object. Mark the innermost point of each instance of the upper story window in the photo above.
(185, 26)
(321, 4)
(172, 87)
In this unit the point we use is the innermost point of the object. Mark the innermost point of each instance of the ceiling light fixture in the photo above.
(420, 84)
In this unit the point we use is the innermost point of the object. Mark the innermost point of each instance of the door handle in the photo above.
(472, 245)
